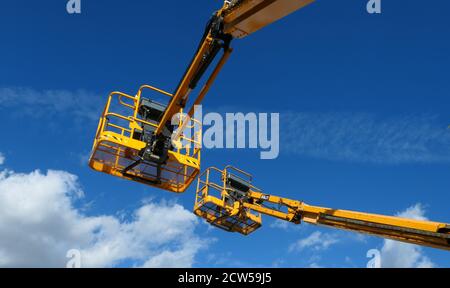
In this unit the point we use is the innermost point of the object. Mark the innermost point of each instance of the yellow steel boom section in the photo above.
(237, 207)
(244, 17)
(236, 19)
(135, 137)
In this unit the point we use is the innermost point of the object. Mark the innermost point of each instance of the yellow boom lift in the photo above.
(136, 140)
(228, 200)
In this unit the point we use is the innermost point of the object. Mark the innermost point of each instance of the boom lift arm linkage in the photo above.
(236, 19)
(239, 206)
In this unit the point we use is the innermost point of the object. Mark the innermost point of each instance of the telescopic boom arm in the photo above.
(236, 19)
(240, 205)
(425, 233)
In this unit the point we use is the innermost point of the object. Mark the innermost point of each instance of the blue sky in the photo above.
(364, 104)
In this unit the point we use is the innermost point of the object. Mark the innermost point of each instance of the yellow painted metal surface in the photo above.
(244, 17)
(114, 147)
(212, 204)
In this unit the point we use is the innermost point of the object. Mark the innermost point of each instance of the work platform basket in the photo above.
(217, 193)
(119, 143)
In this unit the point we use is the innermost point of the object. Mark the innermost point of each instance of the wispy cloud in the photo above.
(317, 241)
(402, 255)
(228, 259)
(366, 137)
(79, 104)
(280, 224)
(284, 225)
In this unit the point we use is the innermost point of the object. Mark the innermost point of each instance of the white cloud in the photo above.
(173, 259)
(366, 138)
(2, 159)
(416, 212)
(317, 241)
(278, 263)
(280, 224)
(39, 224)
(402, 255)
(79, 104)
(285, 225)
